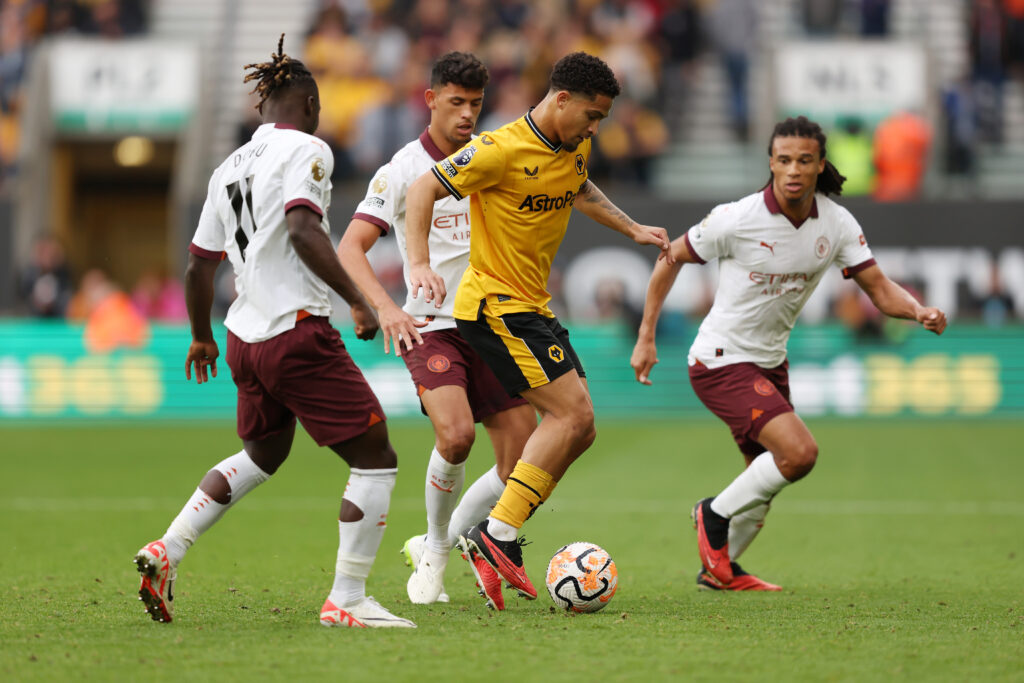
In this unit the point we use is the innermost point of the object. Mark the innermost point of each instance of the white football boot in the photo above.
(426, 585)
(157, 587)
(367, 613)
(421, 585)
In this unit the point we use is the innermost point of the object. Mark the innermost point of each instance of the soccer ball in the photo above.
(582, 577)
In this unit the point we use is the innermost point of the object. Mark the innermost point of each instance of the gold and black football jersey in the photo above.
(522, 187)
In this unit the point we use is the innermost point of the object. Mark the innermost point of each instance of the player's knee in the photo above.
(216, 486)
(371, 451)
(582, 429)
(454, 442)
(589, 436)
(802, 459)
(386, 459)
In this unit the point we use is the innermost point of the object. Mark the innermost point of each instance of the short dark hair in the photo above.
(280, 73)
(459, 68)
(582, 73)
(830, 181)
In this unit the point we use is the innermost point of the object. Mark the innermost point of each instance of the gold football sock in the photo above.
(528, 486)
(546, 493)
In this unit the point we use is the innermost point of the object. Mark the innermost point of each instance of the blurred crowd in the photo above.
(370, 55)
(23, 23)
(371, 61)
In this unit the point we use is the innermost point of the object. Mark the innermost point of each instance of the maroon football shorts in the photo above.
(445, 359)
(745, 396)
(306, 373)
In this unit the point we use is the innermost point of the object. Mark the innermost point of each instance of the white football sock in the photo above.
(444, 484)
(202, 512)
(501, 531)
(370, 491)
(744, 527)
(476, 503)
(755, 485)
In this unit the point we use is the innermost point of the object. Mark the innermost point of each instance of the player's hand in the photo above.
(399, 326)
(643, 360)
(202, 354)
(649, 234)
(432, 284)
(365, 321)
(933, 319)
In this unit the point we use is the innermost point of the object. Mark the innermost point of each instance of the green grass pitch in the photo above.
(902, 556)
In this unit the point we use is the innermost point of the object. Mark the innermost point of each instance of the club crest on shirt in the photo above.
(822, 246)
(555, 353)
(581, 164)
(463, 157)
(319, 170)
(380, 183)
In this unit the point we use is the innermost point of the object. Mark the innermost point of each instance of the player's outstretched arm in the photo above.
(419, 208)
(314, 247)
(396, 324)
(595, 205)
(896, 302)
(203, 351)
(645, 352)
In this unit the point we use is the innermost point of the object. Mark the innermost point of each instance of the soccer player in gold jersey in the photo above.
(523, 181)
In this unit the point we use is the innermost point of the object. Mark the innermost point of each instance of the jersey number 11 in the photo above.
(240, 192)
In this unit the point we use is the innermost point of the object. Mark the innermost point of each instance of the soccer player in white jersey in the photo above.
(266, 212)
(773, 248)
(455, 386)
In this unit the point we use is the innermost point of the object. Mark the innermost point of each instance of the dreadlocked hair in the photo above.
(830, 181)
(280, 73)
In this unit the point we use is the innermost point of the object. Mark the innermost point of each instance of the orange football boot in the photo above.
(742, 581)
(715, 560)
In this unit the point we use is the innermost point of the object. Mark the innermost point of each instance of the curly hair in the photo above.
(279, 74)
(582, 73)
(459, 68)
(830, 181)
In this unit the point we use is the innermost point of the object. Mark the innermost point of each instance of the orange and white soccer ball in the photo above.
(582, 577)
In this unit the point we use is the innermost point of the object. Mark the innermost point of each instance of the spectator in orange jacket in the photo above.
(901, 149)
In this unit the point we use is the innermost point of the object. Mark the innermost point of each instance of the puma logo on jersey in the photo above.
(769, 247)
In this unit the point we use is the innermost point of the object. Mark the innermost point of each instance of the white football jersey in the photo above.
(384, 206)
(768, 268)
(244, 217)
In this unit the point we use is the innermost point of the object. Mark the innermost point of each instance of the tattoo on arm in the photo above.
(592, 195)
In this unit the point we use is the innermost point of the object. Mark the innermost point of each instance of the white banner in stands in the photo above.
(870, 79)
(122, 86)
